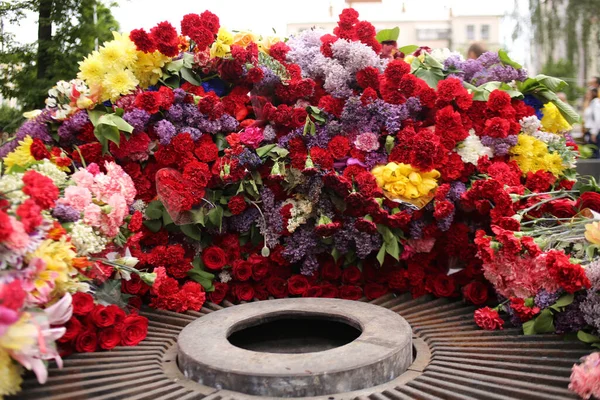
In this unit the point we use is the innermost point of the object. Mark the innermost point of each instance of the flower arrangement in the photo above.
(237, 167)
(51, 221)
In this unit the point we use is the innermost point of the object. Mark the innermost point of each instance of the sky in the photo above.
(264, 16)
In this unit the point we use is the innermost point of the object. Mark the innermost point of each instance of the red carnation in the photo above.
(143, 41)
(322, 158)
(339, 146)
(40, 188)
(395, 70)
(30, 215)
(206, 150)
(524, 312)
(166, 39)
(497, 127)
(368, 78)
(148, 101)
(83, 303)
(214, 258)
(210, 21)
(237, 204)
(38, 150)
(571, 277)
(540, 181)
(488, 319)
(135, 329)
(189, 22)
(279, 51)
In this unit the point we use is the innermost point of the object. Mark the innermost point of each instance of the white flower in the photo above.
(442, 54)
(547, 137)
(49, 169)
(10, 186)
(139, 205)
(224, 276)
(530, 125)
(86, 240)
(471, 149)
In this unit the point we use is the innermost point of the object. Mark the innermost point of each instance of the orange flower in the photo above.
(81, 263)
(57, 231)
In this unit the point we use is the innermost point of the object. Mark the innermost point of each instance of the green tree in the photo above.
(66, 34)
(565, 69)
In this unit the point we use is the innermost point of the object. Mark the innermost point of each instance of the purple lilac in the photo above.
(165, 131)
(228, 123)
(500, 146)
(206, 125)
(137, 118)
(320, 139)
(310, 265)
(444, 223)
(36, 128)
(488, 59)
(416, 229)
(315, 186)
(243, 222)
(571, 319)
(590, 307)
(191, 115)
(545, 299)
(195, 133)
(592, 271)
(175, 113)
(71, 127)
(413, 105)
(269, 133)
(470, 69)
(375, 158)
(179, 95)
(272, 224)
(65, 213)
(301, 243)
(249, 159)
(269, 80)
(349, 238)
(456, 190)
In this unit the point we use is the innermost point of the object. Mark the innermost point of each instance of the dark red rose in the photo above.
(562, 208)
(109, 338)
(86, 341)
(589, 200)
(476, 292)
(260, 267)
(277, 287)
(329, 291)
(331, 271)
(375, 290)
(132, 286)
(444, 285)
(350, 292)
(298, 284)
(73, 329)
(242, 270)
(260, 291)
(134, 302)
(244, 292)
(103, 316)
(214, 258)
(83, 303)
(135, 329)
(351, 275)
(313, 291)
(219, 293)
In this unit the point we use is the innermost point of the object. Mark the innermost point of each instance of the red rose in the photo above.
(244, 292)
(351, 275)
(562, 208)
(444, 285)
(135, 302)
(237, 204)
(331, 271)
(260, 267)
(488, 319)
(86, 342)
(329, 291)
(297, 284)
(350, 292)
(119, 313)
(313, 291)
(242, 270)
(375, 290)
(103, 316)
(109, 338)
(589, 200)
(277, 287)
(134, 286)
(218, 295)
(260, 291)
(73, 328)
(476, 292)
(214, 258)
(135, 329)
(83, 303)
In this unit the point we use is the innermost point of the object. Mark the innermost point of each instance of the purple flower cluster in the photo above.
(69, 129)
(37, 128)
(500, 146)
(571, 319)
(301, 244)
(349, 238)
(486, 68)
(545, 299)
(137, 118)
(243, 222)
(65, 213)
(590, 307)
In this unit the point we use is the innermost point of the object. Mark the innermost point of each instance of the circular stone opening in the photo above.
(296, 347)
(288, 334)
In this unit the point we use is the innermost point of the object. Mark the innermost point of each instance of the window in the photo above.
(485, 32)
(433, 34)
(470, 32)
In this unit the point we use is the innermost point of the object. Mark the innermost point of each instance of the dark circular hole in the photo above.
(293, 335)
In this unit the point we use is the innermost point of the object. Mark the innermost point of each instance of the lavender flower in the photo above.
(592, 271)
(65, 213)
(137, 118)
(300, 244)
(269, 133)
(500, 146)
(243, 222)
(228, 123)
(165, 131)
(37, 128)
(416, 229)
(180, 95)
(456, 190)
(590, 307)
(572, 318)
(545, 299)
(175, 113)
(249, 159)
(72, 126)
(272, 223)
(310, 265)
(195, 134)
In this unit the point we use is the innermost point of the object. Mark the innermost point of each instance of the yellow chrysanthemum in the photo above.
(58, 258)
(404, 181)
(119, 53)
(148, 67)
(553, 121)
(531, 154)
(10, 375)
(117, 83)
(21, 156)
(91, 69)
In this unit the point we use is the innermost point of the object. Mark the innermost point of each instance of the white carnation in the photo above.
(471, 149)
(530, 125)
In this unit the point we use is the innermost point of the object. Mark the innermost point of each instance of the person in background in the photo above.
(594, 83)
(562, 96)
(591, 118)
(475, 50)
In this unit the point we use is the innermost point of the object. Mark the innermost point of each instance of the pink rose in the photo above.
(252, 137)
(77, 197)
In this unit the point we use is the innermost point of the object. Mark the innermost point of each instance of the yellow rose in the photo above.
(592, 232)
(244, 38)
(265, 44)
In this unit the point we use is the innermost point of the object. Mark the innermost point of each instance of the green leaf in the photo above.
(544, 323)
(110, 293)
(115, 120)
(563, 301)
(381, 254)
(335, 253)
(264, 150)
(215, 216)
(105, 133)
(95, 115)
(174, 66)
(188, 60)
(386, 233)
(393, 249)
(432, 62)
(190, 76)
(567, 111)
(192, 231)
(528, 327)
(409, 49)
(587, 337)
(154, 209)
(431, 76)
(385, 35)
(552, 83)
(166, 218)
(503, 55)
(202, 277)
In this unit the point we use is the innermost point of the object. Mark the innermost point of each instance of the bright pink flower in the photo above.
(252, 137)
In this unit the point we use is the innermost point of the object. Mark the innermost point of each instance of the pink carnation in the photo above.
(77, 197)
(112, 221)
(115, 181)
(83, 178)
(585, 377)
(367, 142)
(92, 215)
(93, 169)
(252, 137)
(18, 238)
